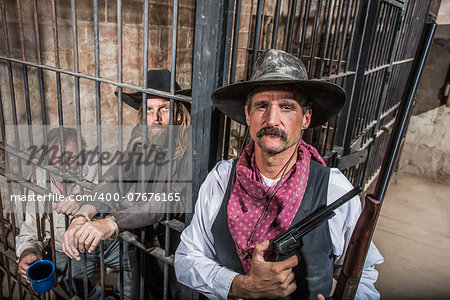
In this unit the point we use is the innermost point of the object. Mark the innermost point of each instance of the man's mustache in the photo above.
(275, 131)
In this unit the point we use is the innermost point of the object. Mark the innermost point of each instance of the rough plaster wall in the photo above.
(444, 13)
(427, 146)
(159, 51)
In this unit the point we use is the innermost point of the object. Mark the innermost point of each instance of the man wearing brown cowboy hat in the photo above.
(85, 234)
(277, 181)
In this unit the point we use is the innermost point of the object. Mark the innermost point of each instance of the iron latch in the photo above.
(350, 160)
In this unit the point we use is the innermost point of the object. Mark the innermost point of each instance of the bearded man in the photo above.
(84, 234)
(277, 182)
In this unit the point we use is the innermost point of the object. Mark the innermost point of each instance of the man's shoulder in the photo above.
(213, 189)
(318, 166)
(216, 181)
(221, 171)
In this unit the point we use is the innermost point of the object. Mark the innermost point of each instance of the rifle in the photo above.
(290, 242)
(362, 234)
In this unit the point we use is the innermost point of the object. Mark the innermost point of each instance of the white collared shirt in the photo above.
(195, 263)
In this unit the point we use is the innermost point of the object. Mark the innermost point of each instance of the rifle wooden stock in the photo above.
(357, 250)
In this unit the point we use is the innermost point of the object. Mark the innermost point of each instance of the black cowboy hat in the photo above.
(278, 67)
(156, 79)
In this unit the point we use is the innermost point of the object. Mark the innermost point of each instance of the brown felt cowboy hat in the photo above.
(158, 79)
(275, 67)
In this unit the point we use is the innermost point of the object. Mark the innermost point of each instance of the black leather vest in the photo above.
(314, 273)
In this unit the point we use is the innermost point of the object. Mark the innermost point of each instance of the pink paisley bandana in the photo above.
(250, 195)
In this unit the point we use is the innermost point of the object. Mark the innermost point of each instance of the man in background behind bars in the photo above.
(30, 249)
(277, 181)
(84, 235)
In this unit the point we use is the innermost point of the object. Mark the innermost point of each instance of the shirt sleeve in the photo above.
(28, 237)
(341, 229)
(195, 262)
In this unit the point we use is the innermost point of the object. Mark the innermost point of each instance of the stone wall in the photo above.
(427, 144)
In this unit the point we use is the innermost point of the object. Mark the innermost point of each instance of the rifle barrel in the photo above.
(319, 217)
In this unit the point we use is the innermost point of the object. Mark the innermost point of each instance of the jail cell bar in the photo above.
(367, 47)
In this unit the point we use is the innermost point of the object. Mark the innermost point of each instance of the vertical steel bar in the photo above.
(375, 96)
(120, 174)
(60, 116)
(333, 139)
(5, 247)
(336, 34)
(327, 133)
(291, 26)
(29, 122)
(325, 38)
(120, 136)
(354, 30)
(237, 21)
(371, 96)
(257, 31)
(226, 144)
(78, 123)
(344, 37)
(275, 24)
(2, 217)
(76, 79)
(98, 116)
(224, 61)
(375, 38)
(121, 270)
(171, 122)
(173, 60)
(358, 120)
(380, 93)
(368, 93)
(305, 27)
(141, 262)
(43, 117)
(98, 122)
(314, 38)
(378, 59)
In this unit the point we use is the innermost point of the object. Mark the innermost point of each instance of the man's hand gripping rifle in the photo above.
(290, 242)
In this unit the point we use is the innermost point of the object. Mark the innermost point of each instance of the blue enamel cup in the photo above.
(42, 276)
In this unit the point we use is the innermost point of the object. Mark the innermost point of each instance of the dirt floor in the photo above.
(413, 234)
